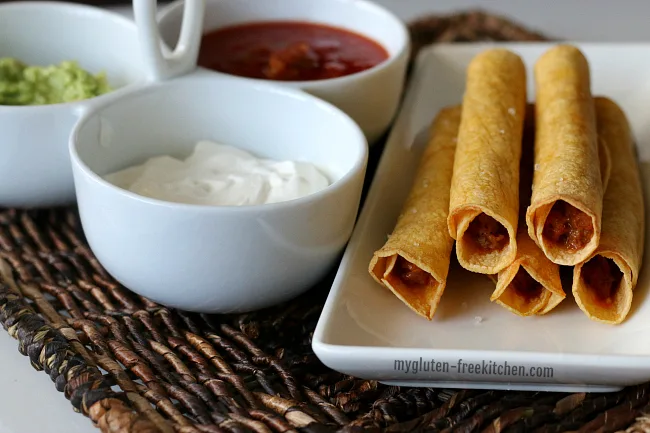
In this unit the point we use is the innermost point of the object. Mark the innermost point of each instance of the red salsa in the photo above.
(288, 51)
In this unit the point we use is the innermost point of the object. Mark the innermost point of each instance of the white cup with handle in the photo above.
(162, 63)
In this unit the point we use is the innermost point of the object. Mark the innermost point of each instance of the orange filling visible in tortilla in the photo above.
(487, 234)
(412, 276)
(603, 278)
(526, 286)
(568, 227)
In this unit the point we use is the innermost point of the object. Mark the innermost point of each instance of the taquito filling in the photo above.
(568, 227)
(525, 286)
(602, 277)
(487, 234)
(411, 275)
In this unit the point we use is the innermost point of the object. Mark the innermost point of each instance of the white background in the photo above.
(29, 403)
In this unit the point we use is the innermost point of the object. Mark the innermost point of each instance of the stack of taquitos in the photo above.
(586, 207)
(531, 284)
(523, 193)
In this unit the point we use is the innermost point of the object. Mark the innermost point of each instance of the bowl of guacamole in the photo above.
(22, 84)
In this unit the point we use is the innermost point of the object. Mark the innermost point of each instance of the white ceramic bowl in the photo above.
(34, 160)
(217, 259)
(370, 97)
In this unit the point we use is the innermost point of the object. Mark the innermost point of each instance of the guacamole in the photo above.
(21, 84)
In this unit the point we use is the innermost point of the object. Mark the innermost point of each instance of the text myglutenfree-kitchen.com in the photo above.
(483, 368)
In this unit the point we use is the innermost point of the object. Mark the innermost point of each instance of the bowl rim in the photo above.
(82, 10)
(401, 54)
(357, 138)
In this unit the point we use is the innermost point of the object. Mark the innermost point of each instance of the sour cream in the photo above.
(220, 175)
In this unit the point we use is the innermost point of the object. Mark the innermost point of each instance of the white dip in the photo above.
(220, 175)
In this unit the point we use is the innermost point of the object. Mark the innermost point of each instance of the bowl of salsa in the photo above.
(351, 54)
(289, 51)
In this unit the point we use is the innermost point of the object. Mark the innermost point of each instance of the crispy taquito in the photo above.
(484, 201)
(414, 261)
(564, 217)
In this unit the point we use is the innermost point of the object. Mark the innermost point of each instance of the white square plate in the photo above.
(367, 332)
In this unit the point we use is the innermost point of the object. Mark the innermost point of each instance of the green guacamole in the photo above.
(21, 84)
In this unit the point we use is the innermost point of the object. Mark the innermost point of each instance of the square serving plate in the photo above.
(365, 331)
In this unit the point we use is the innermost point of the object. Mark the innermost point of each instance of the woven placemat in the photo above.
(131, 365)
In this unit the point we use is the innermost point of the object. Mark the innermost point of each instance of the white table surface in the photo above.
(29, 403)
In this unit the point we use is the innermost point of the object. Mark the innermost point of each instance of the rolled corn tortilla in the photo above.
(531, 284)
(564, 217)
(484, 199)
(603, 285)
(414, 262)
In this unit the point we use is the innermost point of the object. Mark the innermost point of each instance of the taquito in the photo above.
(559, 295)
(484, 199)
(414, 261)
(531, 284)
(564, 217)
(603, 285)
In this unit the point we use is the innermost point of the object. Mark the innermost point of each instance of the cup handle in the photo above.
(160, 63)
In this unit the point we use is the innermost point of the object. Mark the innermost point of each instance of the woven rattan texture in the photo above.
(133, 366)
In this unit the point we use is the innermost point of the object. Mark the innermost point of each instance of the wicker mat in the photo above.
(133, 366)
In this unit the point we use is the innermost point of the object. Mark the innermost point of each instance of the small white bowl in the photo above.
(217, 259)
(34, 160)
(370, 97)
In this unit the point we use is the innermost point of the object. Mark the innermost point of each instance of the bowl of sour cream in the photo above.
(210, 194)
